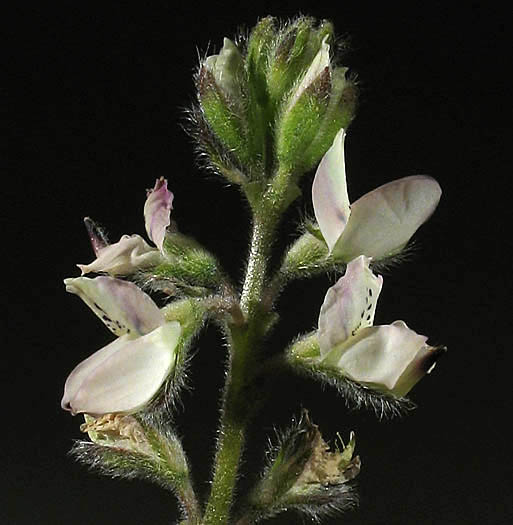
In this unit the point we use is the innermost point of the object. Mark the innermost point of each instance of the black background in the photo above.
(97, 93)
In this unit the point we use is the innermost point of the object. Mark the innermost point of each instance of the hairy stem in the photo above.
(244, 342)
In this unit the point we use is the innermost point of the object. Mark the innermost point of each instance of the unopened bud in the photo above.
(260, 44)
(227, 68)
(219, 92)
(300, 122)
(339, 113)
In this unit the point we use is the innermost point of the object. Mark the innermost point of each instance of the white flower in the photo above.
(127, 255)
(378, 224)
(125, 375)
(389, 358)
(132, 252)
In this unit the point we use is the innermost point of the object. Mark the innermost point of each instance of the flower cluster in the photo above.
(124, 376)
(390, 358)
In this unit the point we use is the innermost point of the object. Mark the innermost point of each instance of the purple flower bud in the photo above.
(157, 210)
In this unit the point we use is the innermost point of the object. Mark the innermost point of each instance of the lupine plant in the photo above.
(271, 107)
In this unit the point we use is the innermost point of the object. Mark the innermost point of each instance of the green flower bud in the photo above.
(290, 58)
(299, 124)
(322, 103)
(339, 113)
(260, 45)
(307, 256)
(297, 45)
(276, 107)
(220, 94)
(259, 114)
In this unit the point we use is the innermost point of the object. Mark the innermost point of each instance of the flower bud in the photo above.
(220, 96)
(304, 257)
(260, 45)
(227, 68)
(300, 121)
(259, 113)
(339, 113)
(322, 102)
(275, 107)
(297, 44)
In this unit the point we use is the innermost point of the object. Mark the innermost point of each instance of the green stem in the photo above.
(244, 341)
(171, 463)
(230, 445)
(256, 269)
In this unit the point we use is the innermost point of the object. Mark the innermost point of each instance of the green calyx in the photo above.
(299, 124)
(296, 47)
(188, 265)
(220, 112)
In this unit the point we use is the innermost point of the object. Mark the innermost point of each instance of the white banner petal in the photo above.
(83, 370)
(329, 192)
(121, 305)
(124, 376)
(349, 305)
(384, 220)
